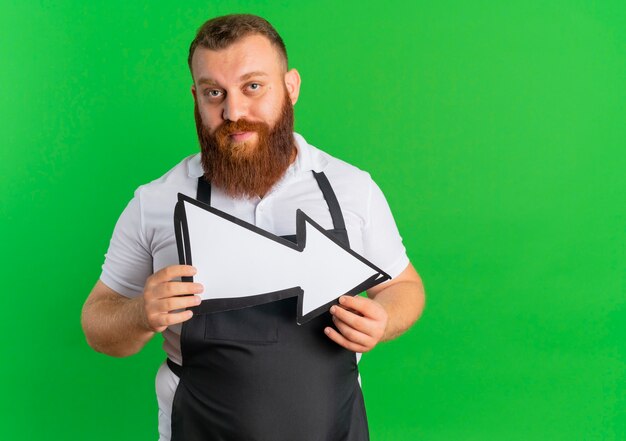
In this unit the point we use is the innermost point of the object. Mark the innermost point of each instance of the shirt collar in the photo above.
(303, 162)
(194, 166)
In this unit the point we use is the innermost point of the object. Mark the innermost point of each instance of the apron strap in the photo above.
(204, 191)
(176, 368)
(333, 204)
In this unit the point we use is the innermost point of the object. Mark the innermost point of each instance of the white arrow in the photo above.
(241, 265)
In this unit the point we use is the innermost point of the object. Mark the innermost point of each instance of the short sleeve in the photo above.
(128, 261)
(382, 243)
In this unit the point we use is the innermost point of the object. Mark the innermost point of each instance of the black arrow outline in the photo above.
(183, 244)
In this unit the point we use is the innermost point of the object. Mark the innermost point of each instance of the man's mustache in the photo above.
(241, 125)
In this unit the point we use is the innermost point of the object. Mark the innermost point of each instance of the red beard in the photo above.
(240, 168)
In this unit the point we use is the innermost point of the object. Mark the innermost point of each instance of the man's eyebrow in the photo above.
(244, 77)
(256, 73)
(207, 81)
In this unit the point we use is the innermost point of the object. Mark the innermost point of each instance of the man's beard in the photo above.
(241, 169)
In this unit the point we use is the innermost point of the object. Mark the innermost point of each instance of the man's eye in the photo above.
(213, 93)
(254, 86)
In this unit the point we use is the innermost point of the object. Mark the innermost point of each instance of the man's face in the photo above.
(244, 81)
(244, 115)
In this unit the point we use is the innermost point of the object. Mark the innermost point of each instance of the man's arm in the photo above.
(120, 326)
(390, 310)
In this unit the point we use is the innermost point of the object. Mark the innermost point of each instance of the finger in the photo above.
(351, 310)
(171, 272)
(362, 305)
(351, 319)
(352, 334)
(171, 289)
(169, 304)
(162, 321)
(335, 336)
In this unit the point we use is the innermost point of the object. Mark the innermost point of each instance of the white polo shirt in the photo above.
(143, 241)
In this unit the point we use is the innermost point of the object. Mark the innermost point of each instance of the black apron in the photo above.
(255, 374)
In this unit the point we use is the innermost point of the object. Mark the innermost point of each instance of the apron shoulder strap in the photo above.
(203, 193)
(333, 203)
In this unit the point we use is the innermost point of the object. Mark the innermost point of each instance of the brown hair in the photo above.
(221, 32)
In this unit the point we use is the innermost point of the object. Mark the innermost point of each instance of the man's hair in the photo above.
(221, 32)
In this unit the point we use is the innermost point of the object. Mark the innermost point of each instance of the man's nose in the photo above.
(235, 108)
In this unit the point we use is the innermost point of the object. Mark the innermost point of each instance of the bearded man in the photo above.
(252, 373)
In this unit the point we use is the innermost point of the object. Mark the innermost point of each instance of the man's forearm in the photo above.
(115, 325)
(404, 303)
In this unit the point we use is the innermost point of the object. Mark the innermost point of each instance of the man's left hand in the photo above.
(361, 323)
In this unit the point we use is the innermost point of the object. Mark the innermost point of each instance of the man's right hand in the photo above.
(162, 297)
(120, 326)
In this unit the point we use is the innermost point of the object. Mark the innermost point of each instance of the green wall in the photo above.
(496, 130)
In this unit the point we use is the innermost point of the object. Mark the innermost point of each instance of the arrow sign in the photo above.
(241, 265)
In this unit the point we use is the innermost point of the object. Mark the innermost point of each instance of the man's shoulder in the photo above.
(180, 178)
(188, 167)
(335, 168)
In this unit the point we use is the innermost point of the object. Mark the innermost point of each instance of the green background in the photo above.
(495, 129)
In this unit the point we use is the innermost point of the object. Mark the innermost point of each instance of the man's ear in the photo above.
(193, 91)
(292, 82)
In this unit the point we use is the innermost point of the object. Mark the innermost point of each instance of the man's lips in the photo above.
(241, 136)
